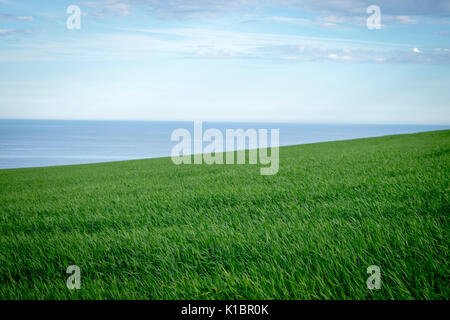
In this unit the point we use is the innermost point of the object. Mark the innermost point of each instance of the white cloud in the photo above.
(298, 21)
(333, 56)
(134, 44)
(406, 20)
(436, 8)
(335, 21)
(7, 32)
(416, 50)
(338, 8)
(11, 17)
(25, 18)
(121, 8)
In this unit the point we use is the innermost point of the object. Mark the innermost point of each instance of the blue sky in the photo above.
(235, 60)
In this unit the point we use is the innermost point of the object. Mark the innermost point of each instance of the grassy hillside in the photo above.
(148, 229)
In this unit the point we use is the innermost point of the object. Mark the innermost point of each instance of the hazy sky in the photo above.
(234, 60)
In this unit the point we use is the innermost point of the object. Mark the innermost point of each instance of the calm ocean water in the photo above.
(35, 143)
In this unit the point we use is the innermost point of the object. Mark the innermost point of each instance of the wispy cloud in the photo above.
(209, 8)
(10, 32)
(436, 8)
(329, 13)
(177, 9)
(335, 21)
(121, 8)
(203, 43)
(406, 20)
(281, 19)
(11, 17)
(25, 18)
(330, 21)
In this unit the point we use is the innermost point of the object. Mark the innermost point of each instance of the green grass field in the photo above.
(148, 229)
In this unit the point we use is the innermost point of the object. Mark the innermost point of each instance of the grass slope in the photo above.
(148, 229)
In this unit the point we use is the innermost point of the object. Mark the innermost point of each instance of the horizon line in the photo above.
(233, 121)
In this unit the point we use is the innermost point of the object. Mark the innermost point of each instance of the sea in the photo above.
(40, 143)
